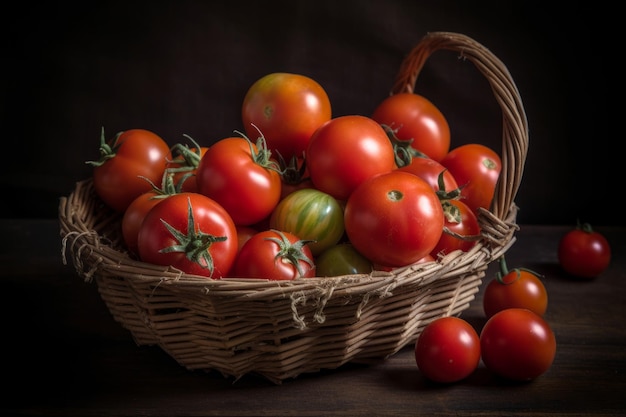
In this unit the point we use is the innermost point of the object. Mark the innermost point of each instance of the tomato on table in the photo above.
(584, 252)
(276, 255)
(346, 151)
(241, 176)
(126, 161)
(394, 219)
(447, 350)
(517, 344)
(190, 232)
(413, 117)
(287, 108)
(476, 169)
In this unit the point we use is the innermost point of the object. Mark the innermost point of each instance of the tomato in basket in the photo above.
(413, 117)
(287, 108)
(190, 232)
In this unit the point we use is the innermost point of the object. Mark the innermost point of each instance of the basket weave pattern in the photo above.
(280, 329)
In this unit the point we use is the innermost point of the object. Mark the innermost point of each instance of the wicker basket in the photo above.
(280, 329)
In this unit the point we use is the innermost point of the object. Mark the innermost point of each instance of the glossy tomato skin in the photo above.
(517, 288)
(447, 350)
(429, 170)
(132, 154)
(413, 116)
(476, 168)
(208, 217)
(229, 174)
(342, 259)
(261, 257)
(584, 252)
(287, 108)
(517, 344)
(394, 219)
(310, 214)
(346, 151)
(465, 225)
(134, 215)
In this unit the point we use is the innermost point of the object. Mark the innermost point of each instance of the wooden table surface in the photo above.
(66, 356)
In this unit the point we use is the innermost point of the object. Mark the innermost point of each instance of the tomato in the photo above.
(583, 252)
(342, 259)
(276, 255)
(190, 232)
(517, 344)
(461, 229)
(414, 117)
(346, 151)
(287, 108)
(129, 156)
(447, 350)
(429, 170)
(394, 219)
(294, 175)
(185, 164)
(312, 215)
(515, 288)
(244, 233)
(476, 169)
(137, 210)
(240, 176)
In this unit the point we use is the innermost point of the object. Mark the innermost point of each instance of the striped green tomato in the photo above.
(310, 214)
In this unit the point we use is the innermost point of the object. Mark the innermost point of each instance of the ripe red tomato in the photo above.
(129, 156)
(429, 170)
(394, 219)
(272, 254)
(240, 176)
(517, 344)
(287, 109)
(414, 117)
(583, 252)
(184, 165)
(346, 151)
(190, 232)
(476, 168)
(447, 350)
(515, 288)
(461, 229)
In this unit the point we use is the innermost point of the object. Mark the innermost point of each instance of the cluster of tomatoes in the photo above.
(300, 193)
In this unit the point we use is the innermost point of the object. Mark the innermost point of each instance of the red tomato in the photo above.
(240, 176)
(185, 164)
(447, 350)
(476, 169)
(131, 155)
(461, 229)
(190, 232)
(414, 117)
(272, 254)
(244, 233)
(583, 252)
(287, 109)
(516, 288)
(517, 344)
(429, 170)
(394, 219)
(346, 151)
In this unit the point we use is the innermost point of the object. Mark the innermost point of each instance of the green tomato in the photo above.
(341, 259)
(310, 214)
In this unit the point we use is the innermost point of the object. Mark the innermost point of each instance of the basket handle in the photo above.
(515, 124)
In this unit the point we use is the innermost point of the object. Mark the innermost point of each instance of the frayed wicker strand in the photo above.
(280, 329)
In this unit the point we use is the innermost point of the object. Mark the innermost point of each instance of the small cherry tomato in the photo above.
(447, 350)
(517, 287)
(583, 252)
(517, 344)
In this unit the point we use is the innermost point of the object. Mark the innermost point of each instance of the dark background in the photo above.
(183, 67)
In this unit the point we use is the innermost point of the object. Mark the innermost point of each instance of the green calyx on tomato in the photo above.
(291, 252)
(404, 152)
(195, 244)
(262, 155)
(107, 151)
(186, 158)
(293, 172)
